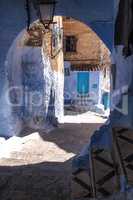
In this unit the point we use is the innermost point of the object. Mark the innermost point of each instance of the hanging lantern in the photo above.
(45, 10)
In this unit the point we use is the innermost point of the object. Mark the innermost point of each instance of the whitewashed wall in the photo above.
(94, 78)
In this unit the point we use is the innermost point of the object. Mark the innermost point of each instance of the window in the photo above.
(67, 72)
(94, 86)
(70, 44)
(67, 18)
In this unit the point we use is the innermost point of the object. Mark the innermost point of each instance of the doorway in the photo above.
(83, 83)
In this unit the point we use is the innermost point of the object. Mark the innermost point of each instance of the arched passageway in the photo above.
(35, 66)
(101, 19)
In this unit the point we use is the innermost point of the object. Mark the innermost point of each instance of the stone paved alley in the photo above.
(38, 166)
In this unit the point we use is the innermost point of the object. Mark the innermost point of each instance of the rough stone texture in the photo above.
(89, 48)
(85, 50)
(36, 184)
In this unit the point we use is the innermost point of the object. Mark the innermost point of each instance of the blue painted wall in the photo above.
(98, 16)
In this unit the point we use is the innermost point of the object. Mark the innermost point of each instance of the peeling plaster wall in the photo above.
(33, 90)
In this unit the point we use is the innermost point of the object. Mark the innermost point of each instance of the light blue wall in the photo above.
(95, 80)
(94, 84)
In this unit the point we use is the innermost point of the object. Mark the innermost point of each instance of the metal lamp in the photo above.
(45, 11)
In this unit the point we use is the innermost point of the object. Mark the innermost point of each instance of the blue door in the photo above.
(106, 100)
(83, 83)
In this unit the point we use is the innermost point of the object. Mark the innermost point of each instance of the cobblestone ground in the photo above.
(38, 166)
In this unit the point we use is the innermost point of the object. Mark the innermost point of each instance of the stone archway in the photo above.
(90, 13)
(100, 21)
(16, 51)
(100, 17)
